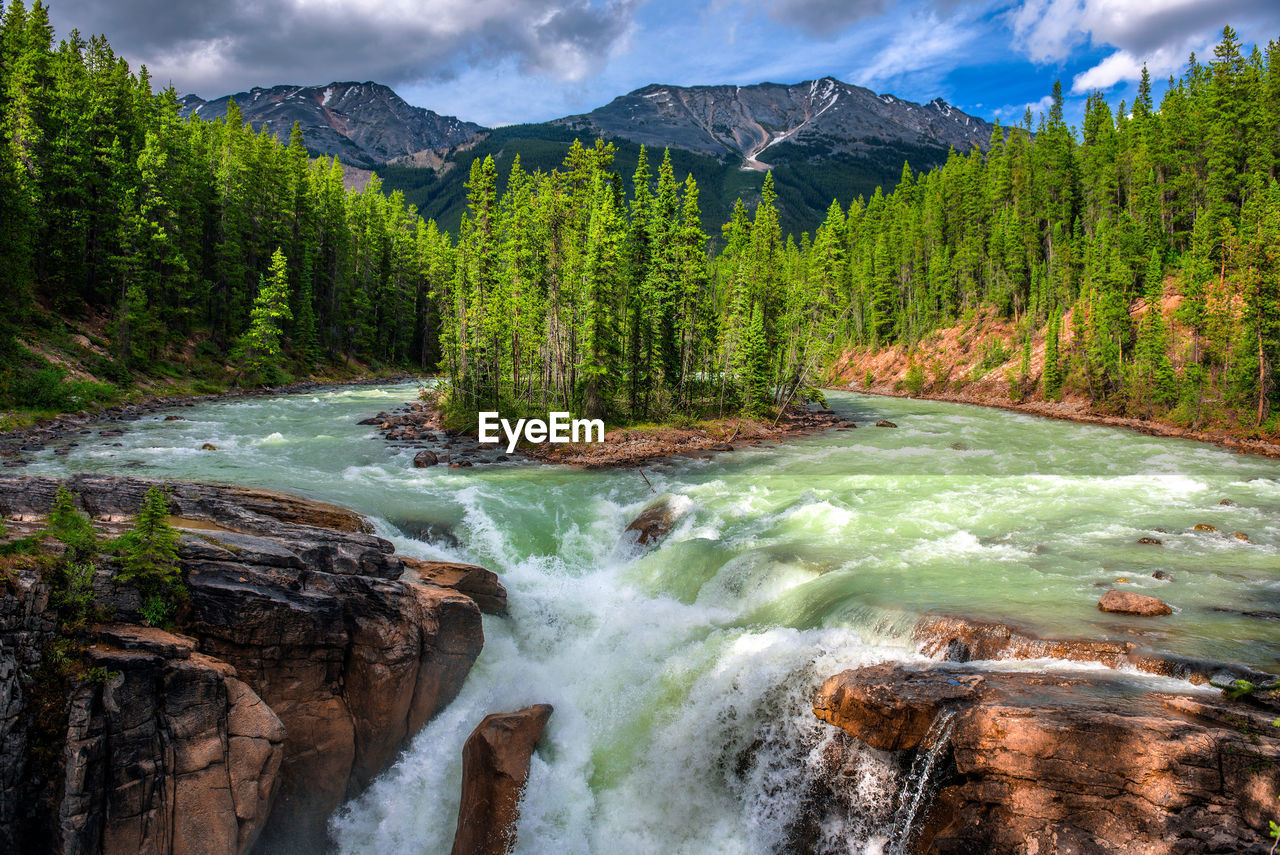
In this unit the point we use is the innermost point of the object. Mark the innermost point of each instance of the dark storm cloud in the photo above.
(824, 17)
(219, 46)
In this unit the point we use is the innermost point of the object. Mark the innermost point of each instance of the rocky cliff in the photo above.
(303, 663)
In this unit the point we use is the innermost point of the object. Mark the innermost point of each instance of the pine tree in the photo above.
(1052, 358)
(149, 550)
(259, 349)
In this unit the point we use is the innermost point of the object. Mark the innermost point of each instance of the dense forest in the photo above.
(576, 289)
(567, 294)
(184, 234)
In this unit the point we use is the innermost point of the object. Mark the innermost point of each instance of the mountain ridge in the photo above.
(365, 124)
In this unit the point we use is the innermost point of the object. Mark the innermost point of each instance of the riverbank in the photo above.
(418, 425)
(1076, 411)
(15, 441)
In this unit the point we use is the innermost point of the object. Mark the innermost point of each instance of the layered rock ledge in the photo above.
(303, 665)
(1068, 763)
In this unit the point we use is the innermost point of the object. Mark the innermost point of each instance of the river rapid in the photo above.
(682, 675)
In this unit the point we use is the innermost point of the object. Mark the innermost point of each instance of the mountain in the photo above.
(821, 139)
(364, 124)
(748, 121)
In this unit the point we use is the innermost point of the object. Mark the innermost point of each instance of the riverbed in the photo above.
(682, 674)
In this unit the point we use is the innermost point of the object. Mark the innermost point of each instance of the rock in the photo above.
(1161, 575)
(477, 583)
(315, 622)
(174, 419)
(423, 459)
(961, 639)
(208, 446)
(1051, 763)
(886, 707)
(461, 464)
(1131, 603)
(1151, 541)
(1203, 527)
(1239, 535)
(170, 753)
(495, 766)
(654, 522)
(370, 421)
(885, 423)
(1228, 503)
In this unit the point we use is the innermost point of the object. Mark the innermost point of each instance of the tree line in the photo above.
(576, 289)
(111, 204)
(1151, 233)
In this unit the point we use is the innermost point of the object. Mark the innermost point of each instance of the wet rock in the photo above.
(174, 419)
(424, 459)
(1239, 535)
(963, 639)
(208, 446)
(316, 622)
(1161, 575)
(1151, 541)
(1051, 763)
(370, 421)
(428, 531)
(654, 522)
(1227, 503)
(460, 464)
(477, 583)
(888, 707)
(495, 766)
(885, 423)
(1131, 603)
(958, 446)
(1204, 527)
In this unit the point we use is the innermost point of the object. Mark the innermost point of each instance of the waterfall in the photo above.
(919, 788)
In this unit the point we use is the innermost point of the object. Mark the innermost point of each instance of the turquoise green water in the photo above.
(681, 675)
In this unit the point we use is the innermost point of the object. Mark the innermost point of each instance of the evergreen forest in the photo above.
(1141, 250)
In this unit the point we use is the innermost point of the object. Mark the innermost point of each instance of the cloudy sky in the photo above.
(504, 61)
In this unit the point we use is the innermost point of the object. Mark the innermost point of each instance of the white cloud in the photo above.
(924, 47)
(1158, 33)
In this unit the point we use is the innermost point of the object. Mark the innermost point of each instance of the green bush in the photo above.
(914, 380)
(48, 389)
(70, 526)
(149, 550)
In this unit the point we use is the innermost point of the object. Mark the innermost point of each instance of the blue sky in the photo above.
(506, 61)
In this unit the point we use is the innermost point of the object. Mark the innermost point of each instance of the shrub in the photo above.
(914, 380)
(149, 550)
(868, 380)
(158, 612)
(70, 526)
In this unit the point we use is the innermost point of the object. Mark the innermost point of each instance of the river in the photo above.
(682, 676)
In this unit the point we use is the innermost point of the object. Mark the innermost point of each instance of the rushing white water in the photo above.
(682, 676)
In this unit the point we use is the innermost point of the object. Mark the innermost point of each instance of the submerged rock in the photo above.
(885, 423)
(654, 522)
(1203, 527)
(1161, 575)
(1131, 603)
(424, 459)
(208, 446)
(495, 766)
(1151, 541)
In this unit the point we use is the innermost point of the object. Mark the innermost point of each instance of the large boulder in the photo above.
(495, 767)
(1039, 762)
